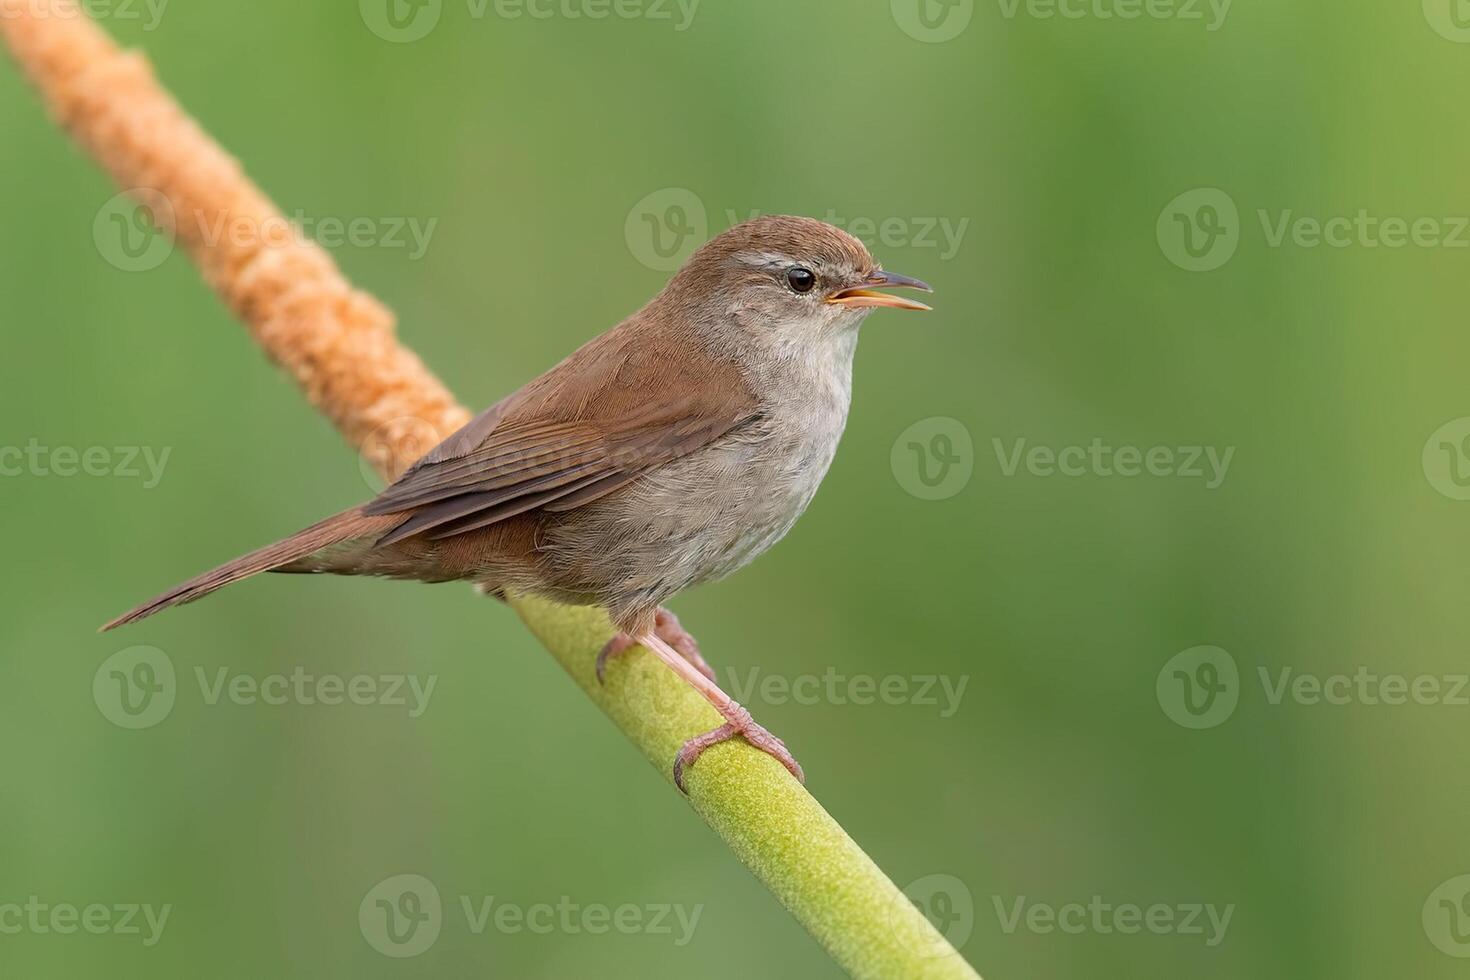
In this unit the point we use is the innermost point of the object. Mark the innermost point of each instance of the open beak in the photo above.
(868, 295)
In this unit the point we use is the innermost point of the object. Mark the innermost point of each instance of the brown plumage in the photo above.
(585, 429)
(669, 451)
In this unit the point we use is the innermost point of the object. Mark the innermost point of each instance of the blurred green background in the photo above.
(1066, 156)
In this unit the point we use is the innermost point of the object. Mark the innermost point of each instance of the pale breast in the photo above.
(708, 514)
(765, 494)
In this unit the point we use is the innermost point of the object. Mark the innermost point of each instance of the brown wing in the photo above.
(626, 402)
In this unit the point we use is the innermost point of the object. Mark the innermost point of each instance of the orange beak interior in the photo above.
(863, 296)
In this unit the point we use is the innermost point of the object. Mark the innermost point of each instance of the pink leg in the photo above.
(666, 625)
(737, 719)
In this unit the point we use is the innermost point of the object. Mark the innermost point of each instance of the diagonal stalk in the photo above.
(338, 344)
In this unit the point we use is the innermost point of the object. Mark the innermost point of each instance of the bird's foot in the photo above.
(666, 627)
(676, 649)
(737, 722)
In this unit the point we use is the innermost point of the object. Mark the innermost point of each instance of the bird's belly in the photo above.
(694, 520)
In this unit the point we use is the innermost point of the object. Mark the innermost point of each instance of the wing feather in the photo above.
(626, 403)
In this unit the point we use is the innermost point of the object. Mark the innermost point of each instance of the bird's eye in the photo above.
(801, 280)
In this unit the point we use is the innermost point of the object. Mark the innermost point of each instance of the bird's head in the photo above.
(786, 280)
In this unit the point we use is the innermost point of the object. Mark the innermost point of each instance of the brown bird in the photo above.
(671, 450)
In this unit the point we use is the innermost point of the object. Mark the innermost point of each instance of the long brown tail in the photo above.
(336, 529)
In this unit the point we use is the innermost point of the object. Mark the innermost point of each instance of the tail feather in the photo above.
(334, 530)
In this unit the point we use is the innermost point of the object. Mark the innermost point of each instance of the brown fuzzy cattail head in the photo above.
(336, 341)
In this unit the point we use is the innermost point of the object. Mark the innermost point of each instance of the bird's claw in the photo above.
(739, 723)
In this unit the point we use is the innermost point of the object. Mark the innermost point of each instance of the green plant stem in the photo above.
(774, 826)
